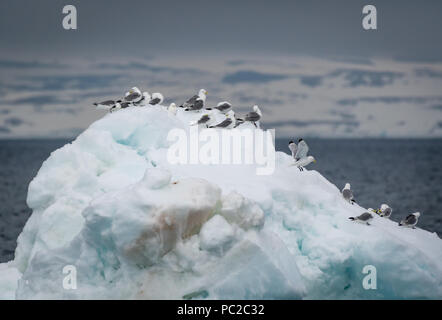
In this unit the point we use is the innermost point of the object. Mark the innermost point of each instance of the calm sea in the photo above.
(406, 174)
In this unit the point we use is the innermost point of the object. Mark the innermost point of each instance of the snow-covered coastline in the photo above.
(137, 227)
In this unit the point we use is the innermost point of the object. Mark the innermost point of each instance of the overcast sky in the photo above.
(406, 29)
(275, 50)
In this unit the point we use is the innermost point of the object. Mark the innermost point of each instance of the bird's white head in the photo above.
(134, 89)
(417, 214)
(158, 95)
(347, 186)
(311, 159)
(202, 94)
(257, 110)
(384, 206)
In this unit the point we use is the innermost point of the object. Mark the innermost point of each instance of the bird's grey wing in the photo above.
(190, 101)
(387, 212)
(223, 106)
(347, 194)
(125, 105)
(365, 216)
(154, 101)
(133, 96)
(203, 119)
(252, 116)
(106, 103)
(198, 104)
(224, 124)
(293, 147)
(302, 150)
(410, 219)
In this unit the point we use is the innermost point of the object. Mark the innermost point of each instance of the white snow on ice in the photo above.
(137, 227)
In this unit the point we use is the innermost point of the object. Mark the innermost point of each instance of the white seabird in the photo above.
(172, 109)
(301, 158)
(385, 211)
(227, 123)
(222, 107)
(205, 119)
(144, 101)
(196, 102)
(348, 194)
(157, 98)
(106, 105)
(253, 116)
(411, 220)
(363, 218)
(133, 95)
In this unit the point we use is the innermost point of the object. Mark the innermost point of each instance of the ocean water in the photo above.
(406, 174)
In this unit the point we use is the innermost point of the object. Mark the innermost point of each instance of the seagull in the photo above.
(228, 123)
(205, 119)
(107, 104)
(411, 220)
(302, 149)
(363, 218)
(385, 211)
(348, 194)
(196, 102)
(303, 162)
(222, 107)
(156, 98)
(144, 99)
(301, 158)
(253, 116)
(133, 95)
(172, 109)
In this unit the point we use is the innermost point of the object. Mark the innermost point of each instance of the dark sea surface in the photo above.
(406, 174)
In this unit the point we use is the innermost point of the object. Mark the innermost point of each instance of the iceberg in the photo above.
(135, 226)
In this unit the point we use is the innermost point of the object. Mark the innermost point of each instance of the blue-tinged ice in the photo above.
(135, 226)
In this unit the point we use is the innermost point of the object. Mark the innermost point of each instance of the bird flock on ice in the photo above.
(197, 103)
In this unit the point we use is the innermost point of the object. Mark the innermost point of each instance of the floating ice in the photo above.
(135, 226)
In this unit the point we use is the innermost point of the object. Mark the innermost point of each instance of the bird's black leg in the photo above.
(255, 124)
(368, 224)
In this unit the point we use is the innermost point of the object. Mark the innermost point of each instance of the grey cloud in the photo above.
(258, 100)
(343, 115)
(311, 81)
(353, 60)
(249, 76)
(425, 72)
(37, 100)
(147, 67)
(16, 64)
(307, 123)
(81, 82)
(13, 121)
(387, 100)
(437, 107)
(356, 78)
(4, 129)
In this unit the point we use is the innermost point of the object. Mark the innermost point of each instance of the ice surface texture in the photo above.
(137, 227)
